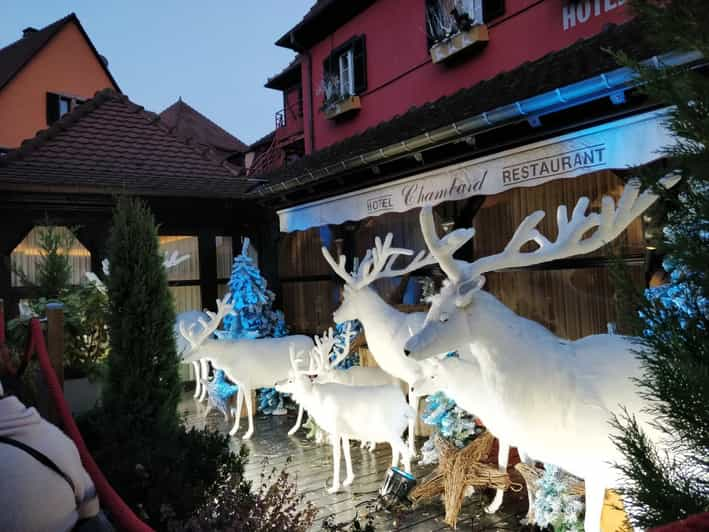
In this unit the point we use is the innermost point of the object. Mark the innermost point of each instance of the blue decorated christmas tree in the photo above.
(450, 421)
(253, 315)
(345, 334)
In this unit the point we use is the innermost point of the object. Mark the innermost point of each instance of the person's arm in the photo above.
(88, 506)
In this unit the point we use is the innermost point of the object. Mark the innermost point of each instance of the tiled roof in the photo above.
(189, 123)
(111, 145)
(320, 21)
(579, 61)
(16, 55)
(263, 142)
(286, 77)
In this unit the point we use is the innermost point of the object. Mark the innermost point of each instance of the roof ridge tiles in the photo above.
(70, 119)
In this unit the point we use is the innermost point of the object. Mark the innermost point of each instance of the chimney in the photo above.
(28, 31)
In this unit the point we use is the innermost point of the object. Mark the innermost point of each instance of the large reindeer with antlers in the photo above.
(345, 412)
(554, 397)
(250, 363)
(387, 329)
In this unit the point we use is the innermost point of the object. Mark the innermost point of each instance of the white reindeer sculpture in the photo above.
(367, 413)
(189, 320)
(387, 329)
(250, 363)
(327, 370)
(461, 381)
(554, 397)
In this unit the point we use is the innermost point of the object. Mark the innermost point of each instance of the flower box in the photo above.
(346, 105)
(464, 40)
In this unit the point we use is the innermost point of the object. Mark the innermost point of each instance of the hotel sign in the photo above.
(615, 145)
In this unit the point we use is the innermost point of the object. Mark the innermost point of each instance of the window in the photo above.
(445, 18)
(25, 259)
(184, 279)
(345, 70)
(59, 104)
(346, 74)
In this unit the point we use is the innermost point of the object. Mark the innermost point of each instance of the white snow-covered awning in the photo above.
(614, 145)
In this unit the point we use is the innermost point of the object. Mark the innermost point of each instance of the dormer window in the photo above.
(59, 104)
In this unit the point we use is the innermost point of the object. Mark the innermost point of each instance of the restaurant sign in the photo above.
(614, 145)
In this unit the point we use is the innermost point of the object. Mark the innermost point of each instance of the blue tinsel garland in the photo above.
(341, 339)
(220, 391)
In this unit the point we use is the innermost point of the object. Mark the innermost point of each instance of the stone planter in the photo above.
(81, 394)
(477, 35)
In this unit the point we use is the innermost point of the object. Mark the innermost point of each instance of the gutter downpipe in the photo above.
(564, 97)
(311, 113)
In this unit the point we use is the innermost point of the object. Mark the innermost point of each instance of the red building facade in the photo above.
(485, 109)
(399, 71)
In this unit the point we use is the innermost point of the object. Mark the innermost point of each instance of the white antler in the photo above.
(444, 248)
(339, 357)
(320, 354)
(172, 260)
(296, 359)
(378, 263)
(197, 339)
(608, 224)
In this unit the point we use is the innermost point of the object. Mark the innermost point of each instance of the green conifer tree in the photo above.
(142, 390)
(668, 484)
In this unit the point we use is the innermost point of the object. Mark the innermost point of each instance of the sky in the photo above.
(215, 54)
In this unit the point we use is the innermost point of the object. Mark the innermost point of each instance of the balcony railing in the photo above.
(280, 118)
(291, 112)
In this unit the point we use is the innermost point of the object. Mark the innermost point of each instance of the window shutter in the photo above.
(52, 108)
(493, 9)
(360, 64)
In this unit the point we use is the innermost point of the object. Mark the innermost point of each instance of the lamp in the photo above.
(396, 488)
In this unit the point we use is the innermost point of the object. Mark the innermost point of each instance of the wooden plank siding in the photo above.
(573, 301)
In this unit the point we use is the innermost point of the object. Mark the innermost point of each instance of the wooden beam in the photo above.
(208, 268)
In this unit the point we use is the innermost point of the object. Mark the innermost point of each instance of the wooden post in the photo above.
(55, 346)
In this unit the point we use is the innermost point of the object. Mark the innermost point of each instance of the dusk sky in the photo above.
(216, 54)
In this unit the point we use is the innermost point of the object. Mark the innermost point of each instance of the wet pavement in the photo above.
(311, 466)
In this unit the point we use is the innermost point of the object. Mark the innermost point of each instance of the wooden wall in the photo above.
(572, 299)
(577, 299)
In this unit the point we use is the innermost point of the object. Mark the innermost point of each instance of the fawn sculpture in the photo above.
(327, 370)
(461, 381)
(250, 363)
(554, 397)
(367, 413)
(387, 329)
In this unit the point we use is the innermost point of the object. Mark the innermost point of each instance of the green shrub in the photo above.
(163, 476)
(142, 387)
(275, 506)
(85, 306)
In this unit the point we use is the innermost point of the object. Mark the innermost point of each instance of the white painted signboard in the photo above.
(615, 145)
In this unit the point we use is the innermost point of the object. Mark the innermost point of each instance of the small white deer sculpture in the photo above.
(554, 397)
(370, 413)
(250, 363)
(387, 328)
(461, 381)
(327, 370)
